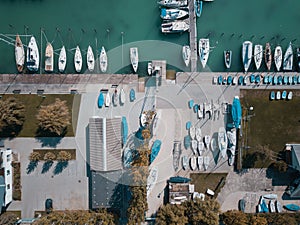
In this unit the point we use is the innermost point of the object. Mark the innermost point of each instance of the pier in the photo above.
(193, 36)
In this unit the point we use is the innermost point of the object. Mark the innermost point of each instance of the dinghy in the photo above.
(278, 206)
(272, 206)
(227, 58)
(198, 134)
(107, 99)
(292, 207)
(206, 162)
(193, 162)
(100, 100)
(200, 162)
(222, 141)
(194, 146)
(200, 147)
(115, 97)
(270, 196)
(207, 141)
(132, 95)
(122, 96)
(192, 132)
(149, 69)
(62, 60)
(184, 162)
(186, 54)
(200, 111)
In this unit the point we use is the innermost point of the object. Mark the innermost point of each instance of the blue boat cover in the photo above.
(179, 179)
(229, 80)
(252, 78)
(100, 100)
(132, 95)
(272, 95)
(283, 95)
(292, 207)
(275, 80)
(266, 79)
(236, 112)
(241, 80)
(270, 79)
(220, 79)
(155, 150)
(124, 130)
(163, 12)
(188, 125)
(191, 103)
(257, 79)
(285, 79)
(264, 206)
(187, 141)
(295, 79)
(279, 79)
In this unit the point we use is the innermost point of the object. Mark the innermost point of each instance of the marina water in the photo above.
(118, 24)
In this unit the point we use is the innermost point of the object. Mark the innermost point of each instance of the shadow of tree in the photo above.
(48, 138)
(31, 166)
(60, 166)
(47, 165)
(11, 131)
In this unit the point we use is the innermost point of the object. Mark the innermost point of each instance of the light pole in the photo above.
(122, 36)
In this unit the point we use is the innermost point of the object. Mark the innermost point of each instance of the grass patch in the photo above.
(32, 104)
(17, 193)
(213, 181)
(18, 213)
(42, 152)
(275, 123)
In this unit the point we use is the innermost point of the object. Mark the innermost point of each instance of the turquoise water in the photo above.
(97, 22)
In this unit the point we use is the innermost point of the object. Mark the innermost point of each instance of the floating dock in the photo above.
(193, 36)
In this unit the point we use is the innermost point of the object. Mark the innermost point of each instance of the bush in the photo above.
(64, 156)
(49, 156)
(17, 195)
(34, 156)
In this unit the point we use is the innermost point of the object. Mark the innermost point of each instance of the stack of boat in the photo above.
(273, 206)
(173, 15)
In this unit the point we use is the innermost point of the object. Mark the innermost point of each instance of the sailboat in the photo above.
(186, 54)
(49, 58)
(203, 50)
(19, 54)
(33, 57)
(227, 58)
(90, 59)
(103, 60)
(62, 60)
(288, 58)
(78, 59)
(258, 55)
(134, 57)
(278, 57)
(268, 55)
(247, 54)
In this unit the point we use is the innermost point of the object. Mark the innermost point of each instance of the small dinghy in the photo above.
(270, 196)
(272, 95)
(149, 70)
(198, 134)
(200, 147)
(194, 145)
(278, 206)
(132, 95)
(192, 132)
(206, 162)
(278, 95)
(292, 207)
(207, 141)
(222, 141)
(227, 58)
(107, 99)
(200, 162)
(122, 96)
(200, 111)
(115, 97)
(290, 95)
(193, 162)
(184, 162)
(283, 95)
(272, 206)
(100, 100)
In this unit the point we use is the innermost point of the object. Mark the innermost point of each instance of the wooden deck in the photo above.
(193, 36)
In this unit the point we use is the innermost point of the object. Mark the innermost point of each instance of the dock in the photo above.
(193, 36)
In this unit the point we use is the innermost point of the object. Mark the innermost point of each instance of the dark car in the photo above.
(48, 205)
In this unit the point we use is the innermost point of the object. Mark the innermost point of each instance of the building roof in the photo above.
(296, 156)
(2, 191)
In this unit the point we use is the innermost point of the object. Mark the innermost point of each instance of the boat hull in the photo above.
(247, 54)
(33, 57)
(258, 55)
(288, 58)
(49, 62)
(203, 51)
(103, 60)
(278, 57)
(90, 59)
(268, 56)
(227, 58)
(186, 54)
(62, 60)
(19, 54)
(78, 60)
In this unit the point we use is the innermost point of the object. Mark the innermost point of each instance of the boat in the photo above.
(235, 80)
(206, 162)
(19, 54)
(184, 162)
(227, 58)
(272, 95)
(90, 59)
(186, 54)
(278, 206)
(187, 141)
(278, 57)
(222, 141)
(258, 55)
(194, 146)
(176, 26)
(192, 132)
(283, 95)
(247, 54)
(62, 59)
(134, 58)
(298, 58)
(155, 150)
(231, 135)
(198, 7)
(203, 50)
(198, 134)
(151, 180)
(49, 58)
(107, 99)
(236, 111)
(200, 147)
(103, 60)
(288, 58)
(242, 204)
(263, 205)
(33, 57)
(122, 96)
(193, 162)
(132, 95)
(100, 100)
(200, 111)
(115, 97)
(78, 59)
(290, 95)
(124, 130)
(290, 80)
(179, 179)
(278, 95)
(292, 207)
(272, 206)
(270, 196)
(173, 13)
(176, 154)
(173, 3)
(207, 141)
(149, 69)
(200, 162)
(127, 157)
(268, 56)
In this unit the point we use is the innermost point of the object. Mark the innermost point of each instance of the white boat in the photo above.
(107, 99)
(268, 56)
(173, 14)
(198, 134)
(288, 58)
(49, 62)
(258, 55)
(62, 60)
(186, 54)
(227, 58)
(193, 162)
(290, 95)
(19, 54)
(194, 146)
(247, 54)
(192, 132)
(222, 141)
(103, 60)
(78, 59)
(278, 206)
(149, 69)
(33, 56)
(151, 180)
(278, 57)
(278, 95)
(134, 58)
(231, 135)
(272, 206)
(90, 59)
(206, 162)
(176, 26)
(173, 3)
(200, 162)
(235, 80)
(270, 196)
(207, 141)
(200, 111)
(200, 148)
(122, 96)
(184, 162)
(115, 97)
(203, 51)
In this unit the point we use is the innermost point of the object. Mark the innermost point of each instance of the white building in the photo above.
(6, 174)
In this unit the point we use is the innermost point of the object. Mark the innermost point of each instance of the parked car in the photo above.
(49, 205)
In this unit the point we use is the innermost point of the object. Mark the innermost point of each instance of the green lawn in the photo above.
(213, 181)
(275, 123)
(33, 102)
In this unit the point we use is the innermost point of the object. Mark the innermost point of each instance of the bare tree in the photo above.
(35, 156)
(64, 156)
(49, 157)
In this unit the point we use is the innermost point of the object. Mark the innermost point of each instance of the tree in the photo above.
(8, 218)
(171, 215)
(49, 157)
(280, 166)
(12, 116)
(64, 156)
(234, 217)
(34, 157)
(54, 118)
(258, 220)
